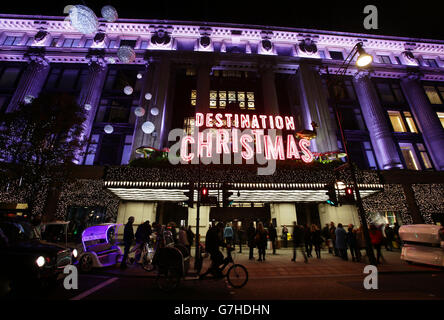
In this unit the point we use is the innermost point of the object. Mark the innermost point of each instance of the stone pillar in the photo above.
(203, 87)
(138, 134)
(375, 118)
(90, 94)
(432, 130)
(412, 206)
(32, 80)
(314, 104)
(271, 105)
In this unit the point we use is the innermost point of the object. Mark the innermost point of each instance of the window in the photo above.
(129, 43)
(370, 156)
(144, 45)
(390, 92)
(322, 54)
(398, 61)
(88, 43)
(410, 122)
(430, 63)
(30, 41)
(221, 98)
(411, 161)
(433, 95)
(112, 44)
(424, 156)
(9, 77)
(441, 117)
(54, 42)
(385, 59)
(12, 41)
(68, 79)
(188, 125)
(193, 97)
(397, 122)
(71, 43)
(336, 55)
(92, 148)
(126, 154)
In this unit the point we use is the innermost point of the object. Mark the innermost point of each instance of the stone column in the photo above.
(314, 104)
(271, 106)
(32, 80)
(375, 118)
(431, 128)
(203, 87)
(90, 94)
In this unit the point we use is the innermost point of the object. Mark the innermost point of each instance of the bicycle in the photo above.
(146, 256)
(237, 274)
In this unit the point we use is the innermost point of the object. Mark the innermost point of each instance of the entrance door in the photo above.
(242, 214)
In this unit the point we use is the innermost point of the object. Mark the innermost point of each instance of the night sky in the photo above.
(423, 19)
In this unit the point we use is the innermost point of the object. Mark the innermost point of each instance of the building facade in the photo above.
(392, 115)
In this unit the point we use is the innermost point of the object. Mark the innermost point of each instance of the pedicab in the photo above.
(171, 260)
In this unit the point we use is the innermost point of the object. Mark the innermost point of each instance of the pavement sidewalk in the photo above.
(281, 266)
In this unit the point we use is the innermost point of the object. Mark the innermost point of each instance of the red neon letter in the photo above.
(207, 145)
(199, 119)
(258, 136)
(184, 148)
(254, 122)
(307, 157)
(218, 118)
(245, 121)
(248, 153)
(275, 150)
(292, 148)
(228, 116)
(235, 140)
(279, 122)
(209, 120)
(222, 140)
(264, 123)
(289, 123)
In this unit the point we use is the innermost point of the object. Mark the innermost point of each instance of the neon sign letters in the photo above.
(261, 134)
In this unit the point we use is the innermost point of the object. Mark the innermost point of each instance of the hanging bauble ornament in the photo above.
(109, 13)
(108, 129)
(126, 54)
(139, 111)
(88, 107)
(148, 96)
(111, 60)
(83, 19)
(154, 111)
(139, 76)
(28, 99)
(128, 90)
(148, 127)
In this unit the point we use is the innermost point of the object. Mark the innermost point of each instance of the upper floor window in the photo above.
(399, 119)
(430, 63)
(410, 158)
(390, 92)
(9, 76)
(435, 94)
(66, 79)
(441, 117)
(71, 43)
(129, 43)
(336, 55)
(384, 59)
(12, 41)
(424, 156)
(220, 99)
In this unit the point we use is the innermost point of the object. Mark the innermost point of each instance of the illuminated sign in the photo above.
(261, 134)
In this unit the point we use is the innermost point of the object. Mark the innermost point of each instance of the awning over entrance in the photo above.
(242, 192)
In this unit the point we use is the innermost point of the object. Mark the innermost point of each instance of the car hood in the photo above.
(37, 246)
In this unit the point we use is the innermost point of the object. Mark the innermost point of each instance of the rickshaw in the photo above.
(99, 247)
(172, 261)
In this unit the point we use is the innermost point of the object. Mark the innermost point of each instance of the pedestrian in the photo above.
(326, 235)
(333, 238)
(396, 234)
(183, 237)
(251, 233)
(389, 236)
(376, 238)
(316, 239)
(352, 243)
(190, 236)
(273, 235)
(341, 244)
(261, 240)
(228, 234)
(240, 235)
(285, 236)
(142, 236)
(235, 235)
(307, 241)
(128, 238)
(172, 228)
(298, 241)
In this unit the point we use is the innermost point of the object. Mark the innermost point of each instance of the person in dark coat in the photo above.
(333, 238)
(261, 240)
(326, 235)
(213, 240)
(298, 241)
(307, 240)
(352, 243)
(190, 236)
(273, 236)
(251, 233)
(142, 236)
(341, 241)
(316, 239)
(240, 236)
(128, 238)
(389, 236)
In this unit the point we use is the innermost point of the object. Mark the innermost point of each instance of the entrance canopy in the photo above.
(242, 192)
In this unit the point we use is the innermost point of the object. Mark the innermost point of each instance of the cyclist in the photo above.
(142, 235)
(213, 240)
